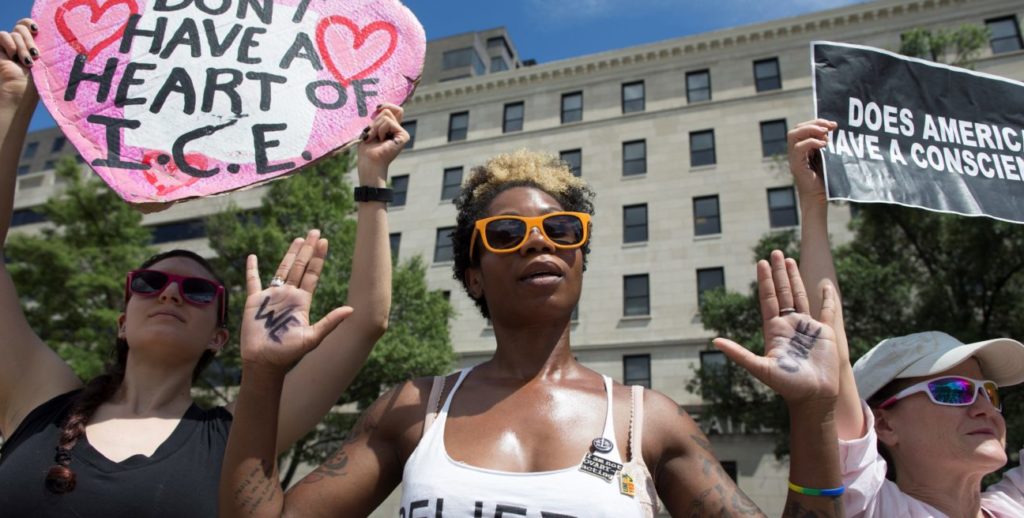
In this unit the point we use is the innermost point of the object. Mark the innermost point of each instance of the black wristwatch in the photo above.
(383, 194)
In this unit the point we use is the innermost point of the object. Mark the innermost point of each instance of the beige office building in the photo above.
(680, 139)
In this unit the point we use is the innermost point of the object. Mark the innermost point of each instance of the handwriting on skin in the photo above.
(279, 324)
(799, 347)
(173, 99)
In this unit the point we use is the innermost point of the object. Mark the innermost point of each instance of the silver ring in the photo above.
(276, 282)
(786, 311)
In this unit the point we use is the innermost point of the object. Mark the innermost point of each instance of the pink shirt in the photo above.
(870, 494)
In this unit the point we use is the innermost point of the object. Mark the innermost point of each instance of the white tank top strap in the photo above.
(636, 423)
(435, 395)
(609, 422)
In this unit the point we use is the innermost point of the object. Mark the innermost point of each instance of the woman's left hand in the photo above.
(276, 331)
(382, 141)
(800, 361)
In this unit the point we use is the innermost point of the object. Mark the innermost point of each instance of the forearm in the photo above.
(369, 291)
(249, 482)
(813, 463)
(15, 116)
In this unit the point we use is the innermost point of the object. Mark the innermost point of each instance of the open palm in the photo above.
(276, 330)
(800, 362)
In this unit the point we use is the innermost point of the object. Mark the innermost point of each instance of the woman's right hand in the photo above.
(19, 53)
(805, 142)
(800, 361)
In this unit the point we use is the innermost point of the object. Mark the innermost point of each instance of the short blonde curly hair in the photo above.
(522, 168)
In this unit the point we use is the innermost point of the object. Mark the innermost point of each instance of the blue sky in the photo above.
(548, 30)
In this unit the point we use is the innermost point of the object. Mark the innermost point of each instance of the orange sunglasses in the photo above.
(507, 233)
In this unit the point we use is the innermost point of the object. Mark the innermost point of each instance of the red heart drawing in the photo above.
(169, 178)
(360, 37)
(82, 29)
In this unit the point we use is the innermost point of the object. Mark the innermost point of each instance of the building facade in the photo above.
(682, 140)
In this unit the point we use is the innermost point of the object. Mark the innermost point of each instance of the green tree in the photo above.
(416, 342)
(70, 277)
(959, 47)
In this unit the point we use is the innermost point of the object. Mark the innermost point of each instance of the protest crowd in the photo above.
(910, 429)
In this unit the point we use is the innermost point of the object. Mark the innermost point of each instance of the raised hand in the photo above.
(800, 360)
(275, 325)
(18, 54)
(383, 140)
(804, 144)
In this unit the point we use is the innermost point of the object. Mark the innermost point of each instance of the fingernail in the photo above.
(28, 61)
(34, 27)
(34, 52)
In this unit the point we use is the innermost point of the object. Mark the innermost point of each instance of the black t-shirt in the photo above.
(179, 480)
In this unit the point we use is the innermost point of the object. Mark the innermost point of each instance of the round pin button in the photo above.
(602, 445)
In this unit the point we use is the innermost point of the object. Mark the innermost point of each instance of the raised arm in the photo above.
(801, 364)
(313, 386)
(816, 263)
(30, 373)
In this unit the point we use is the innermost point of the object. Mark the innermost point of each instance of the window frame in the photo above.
(701, 291)
(448, 190)
(506, 121)
(400, 190)
(394, 243)
(564, 110)
(642, 101)
(767, 151)
(689, 91)
(645, 360)
(453, 132)
(645, 297)
(717, 217)
(1016, 37)
(758, 81)
(449, 247)
(626, 226)
(773, 212)
(410, 128)
(712, 149)
(578, 170)
(634, 166)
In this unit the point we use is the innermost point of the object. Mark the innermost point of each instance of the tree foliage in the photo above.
(959, 47)
(70, 277)
(417, 341)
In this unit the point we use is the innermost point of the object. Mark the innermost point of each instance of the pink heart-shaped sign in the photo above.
(169, 100)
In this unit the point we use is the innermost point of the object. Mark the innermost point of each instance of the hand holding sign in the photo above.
(382, 141)
(175, 99)
(805, 142)
(18, 47)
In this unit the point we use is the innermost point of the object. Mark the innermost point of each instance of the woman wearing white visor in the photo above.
(927, 402)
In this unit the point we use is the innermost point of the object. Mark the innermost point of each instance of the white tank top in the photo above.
(436, 486)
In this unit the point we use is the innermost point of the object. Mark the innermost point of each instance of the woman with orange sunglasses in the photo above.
(530, 432)
(132, 442)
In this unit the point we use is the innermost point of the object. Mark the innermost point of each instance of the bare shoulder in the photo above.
(669, 431)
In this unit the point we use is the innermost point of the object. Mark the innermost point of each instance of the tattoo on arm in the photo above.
(723, 498)
(257, 488)
(276, 325)
(799, 347)
(334, 467)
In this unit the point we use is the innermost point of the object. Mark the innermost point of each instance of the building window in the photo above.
(399, 184)
(464, 57)
(513, 119)
(498, 64)
(709, 279)
(30, 150)
(26, 217)
(452, 183)
(410, 127)
(702, 148)
(633, 97)
(1005, 34)
(634, 223)
(178, 231)
(58, 144)
(24, 169)
(782, 207)
(443, 245)
(698, 86)
(498, 42)
(766, 74)
(713, 368)
(636, 370)
(50, 165)
(458, 126)
(706, 220)
(634, 157)
(574, 159)
(572, 107)
(636, 298)
(395, 241)
(773, 138)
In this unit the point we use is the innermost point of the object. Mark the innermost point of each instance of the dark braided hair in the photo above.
(519, 169)
(60, 478)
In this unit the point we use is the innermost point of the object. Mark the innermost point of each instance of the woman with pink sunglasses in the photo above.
(924, 407)
(132, 442)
